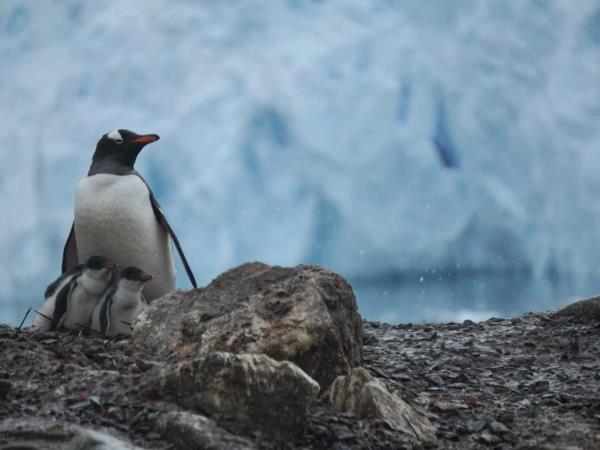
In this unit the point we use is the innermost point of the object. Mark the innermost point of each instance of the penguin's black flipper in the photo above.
(70, 258)
(163, 221)
(105, 310)
(61, 304)
(51, 289)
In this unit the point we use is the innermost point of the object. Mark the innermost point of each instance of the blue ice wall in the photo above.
(368, 136)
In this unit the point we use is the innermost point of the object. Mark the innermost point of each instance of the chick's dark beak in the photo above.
(145, 139)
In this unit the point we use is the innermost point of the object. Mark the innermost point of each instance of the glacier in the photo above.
(376, 138)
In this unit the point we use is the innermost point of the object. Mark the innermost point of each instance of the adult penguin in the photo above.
(117, 215)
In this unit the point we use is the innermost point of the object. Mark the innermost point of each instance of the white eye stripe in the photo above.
(115, 136)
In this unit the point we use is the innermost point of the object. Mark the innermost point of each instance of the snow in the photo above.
(367, 136)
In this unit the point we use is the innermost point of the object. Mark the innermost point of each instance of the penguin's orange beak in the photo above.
(146, 278)
(145, 139)
(111, 267)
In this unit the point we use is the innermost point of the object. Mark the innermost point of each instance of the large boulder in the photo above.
(245, 392)
(305, 314)
(368, 398)
(582, 310)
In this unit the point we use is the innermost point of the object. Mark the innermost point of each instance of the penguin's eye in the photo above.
(118, 141)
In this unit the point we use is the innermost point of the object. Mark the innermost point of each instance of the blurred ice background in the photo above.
(443, 156)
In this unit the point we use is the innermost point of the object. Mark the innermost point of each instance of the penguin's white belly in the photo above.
(82, 299)
(79, 309)
(114, 218)
(123, 312)
(95, 322)
(121, 322)
(43, 322)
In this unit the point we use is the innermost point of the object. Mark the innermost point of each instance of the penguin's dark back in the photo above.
(61, 303)
(105, 310)
(51, 289)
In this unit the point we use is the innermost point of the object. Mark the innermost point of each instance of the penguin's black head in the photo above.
(135, 274)
(99, 262)
(117, 151)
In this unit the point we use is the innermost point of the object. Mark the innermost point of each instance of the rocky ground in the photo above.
(530, 382)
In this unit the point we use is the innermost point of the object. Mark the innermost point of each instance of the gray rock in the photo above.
(43, 434)
(5, 387)
(86, 439)
(582, 310)
(305, 314)
(254, 392)
(189, 431)
(498, 427)
(366, 397)
(35, 434)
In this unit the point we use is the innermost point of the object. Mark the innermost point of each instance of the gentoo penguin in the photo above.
(71, 298)
(117, 215)
(121, 303)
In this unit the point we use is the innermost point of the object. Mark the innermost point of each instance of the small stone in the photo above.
(486, 437)
(498, 427)
(368, 398)
(117, 413)
(525, 403)
(189, 431)
(80, 405)
(91, 439)
(152, 436)
(5, 387)
(95, 400)
(435, 379)
(448, 408)
(477, 426)
(539, 385)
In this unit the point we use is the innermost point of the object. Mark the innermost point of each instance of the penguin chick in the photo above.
(71, 298)
(121, 303)
(43, 320)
